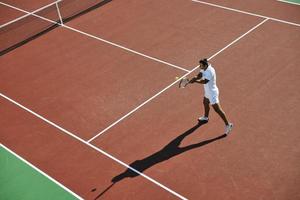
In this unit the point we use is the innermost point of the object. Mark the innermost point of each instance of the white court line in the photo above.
(134, 110)
(92, 146)
(28, 14)
(244, 12)
(240, 37)
(289, 2)
(59, 14)
(100, 39)
(41, 172)
(127, 49)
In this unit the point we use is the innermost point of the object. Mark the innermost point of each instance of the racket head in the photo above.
(183, 82)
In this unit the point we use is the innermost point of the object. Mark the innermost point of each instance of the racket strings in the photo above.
(183, 82)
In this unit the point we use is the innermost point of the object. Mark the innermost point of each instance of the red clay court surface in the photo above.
(85, 101)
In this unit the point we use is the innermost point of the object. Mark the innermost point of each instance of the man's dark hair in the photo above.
(204, 61)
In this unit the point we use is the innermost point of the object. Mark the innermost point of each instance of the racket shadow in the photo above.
(172, 149)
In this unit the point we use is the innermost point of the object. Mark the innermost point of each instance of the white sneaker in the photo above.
(228, 128)
(203, 119)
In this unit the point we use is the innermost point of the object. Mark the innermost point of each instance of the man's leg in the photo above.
(204, 119)
(217, 107)
(206, 106)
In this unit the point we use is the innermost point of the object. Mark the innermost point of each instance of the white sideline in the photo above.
(248, 13)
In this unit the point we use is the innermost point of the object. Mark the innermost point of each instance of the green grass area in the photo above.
(18, 180)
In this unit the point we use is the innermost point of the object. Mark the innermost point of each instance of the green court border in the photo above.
(296, 2)
(19, 179)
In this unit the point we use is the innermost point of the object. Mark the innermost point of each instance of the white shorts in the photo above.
(213, 97)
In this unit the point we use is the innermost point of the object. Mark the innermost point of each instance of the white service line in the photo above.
(244, 12)
(92, 146)
(98, 38)
(41, 172)
(125, 48)
(147, 101)
(289, 2)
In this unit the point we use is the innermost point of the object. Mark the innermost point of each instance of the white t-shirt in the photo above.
(210, 88)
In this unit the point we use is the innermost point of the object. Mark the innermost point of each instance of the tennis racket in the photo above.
(183, 82)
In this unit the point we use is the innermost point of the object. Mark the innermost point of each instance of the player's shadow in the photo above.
(170, 150)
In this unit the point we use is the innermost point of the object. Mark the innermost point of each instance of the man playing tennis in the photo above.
(207, 77)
